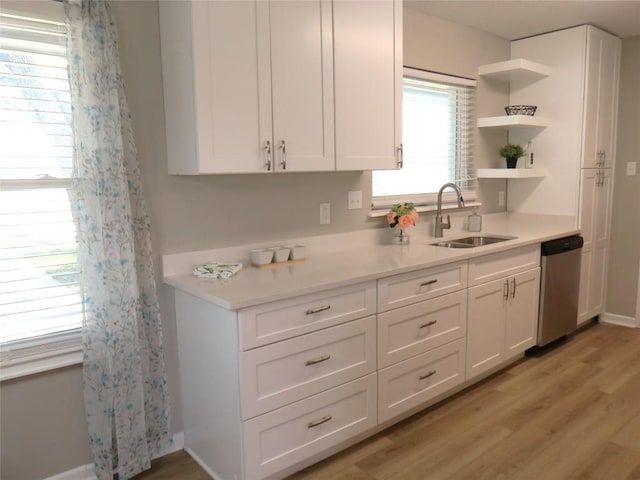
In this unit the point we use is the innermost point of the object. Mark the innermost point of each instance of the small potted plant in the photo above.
(511, 153)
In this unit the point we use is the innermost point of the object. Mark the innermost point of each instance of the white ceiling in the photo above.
(513, 19)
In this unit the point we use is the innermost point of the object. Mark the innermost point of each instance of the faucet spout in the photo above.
(440, 223)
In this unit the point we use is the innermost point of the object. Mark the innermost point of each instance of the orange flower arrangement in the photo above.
(402, 215)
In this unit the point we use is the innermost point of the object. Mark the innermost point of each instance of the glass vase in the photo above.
(400, 237)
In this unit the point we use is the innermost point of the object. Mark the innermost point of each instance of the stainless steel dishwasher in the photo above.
(559, 288)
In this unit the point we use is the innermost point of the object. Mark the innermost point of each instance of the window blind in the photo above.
(39, 283)
(438, 127)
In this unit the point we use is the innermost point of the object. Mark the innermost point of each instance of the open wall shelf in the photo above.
(510, 173)
(515, 70)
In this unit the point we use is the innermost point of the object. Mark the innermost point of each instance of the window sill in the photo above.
(40, 357)
(427, 208)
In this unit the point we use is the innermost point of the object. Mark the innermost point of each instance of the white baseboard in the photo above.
(621, 320)
(87, 472)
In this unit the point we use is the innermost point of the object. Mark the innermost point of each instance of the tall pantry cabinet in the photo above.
(578, 151)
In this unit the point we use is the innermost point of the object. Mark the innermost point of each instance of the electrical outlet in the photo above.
(631, 169)
(501, 198)
(355, 200)
(325, 213)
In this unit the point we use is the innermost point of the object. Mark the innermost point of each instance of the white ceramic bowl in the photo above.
(298, 252)
(280, 254)
(261, 256)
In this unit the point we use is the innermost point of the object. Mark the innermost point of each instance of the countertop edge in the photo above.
(255, 288)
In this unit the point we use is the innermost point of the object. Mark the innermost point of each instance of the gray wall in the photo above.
(43, 430)
(625, 232)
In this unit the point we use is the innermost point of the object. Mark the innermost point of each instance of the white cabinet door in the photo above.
(595, 211)
(302, 85)
(368, 83)
(601, 99)
(502, 320)
(486, 326)
(213, 86)
(522, 312)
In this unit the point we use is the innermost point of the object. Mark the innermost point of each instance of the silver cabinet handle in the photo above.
(602, 158)
(315, 361)
(319, 422)
(400, 156)
(429, 282)
(427, 375)
(513, 286)
(311, 311)
(505, 289)
(428, 324)
(283, 155)
(267, 151)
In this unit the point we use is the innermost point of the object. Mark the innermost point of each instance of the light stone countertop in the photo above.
(338, 260)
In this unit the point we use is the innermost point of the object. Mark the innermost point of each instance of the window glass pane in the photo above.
(35, 113)
(437, 120)
(39, 289)
(39, 284)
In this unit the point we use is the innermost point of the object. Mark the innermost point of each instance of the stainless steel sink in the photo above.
(473, 241)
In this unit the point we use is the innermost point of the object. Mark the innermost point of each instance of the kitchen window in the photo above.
(438, 127)
(40, 298)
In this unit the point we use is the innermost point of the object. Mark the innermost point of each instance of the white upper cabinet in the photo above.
(603, 54)
(368, 83)
(249, 85)
(302, 85)
(216, 112)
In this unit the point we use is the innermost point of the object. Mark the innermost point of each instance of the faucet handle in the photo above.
(447, 224)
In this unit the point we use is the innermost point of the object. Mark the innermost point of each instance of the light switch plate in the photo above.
(355, 200)
(501, 198)
(325, 213)
(631, 168)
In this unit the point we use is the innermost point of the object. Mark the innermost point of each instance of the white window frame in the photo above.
(426, 201)
(51, 351)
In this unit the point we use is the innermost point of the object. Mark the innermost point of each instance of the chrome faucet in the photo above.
(440, 225)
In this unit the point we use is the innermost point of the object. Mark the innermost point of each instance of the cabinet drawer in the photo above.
(497, 265)
(282, 373)
(275, 321)
(415, 329)
(279, 439)
(412, 287)
(408, 384)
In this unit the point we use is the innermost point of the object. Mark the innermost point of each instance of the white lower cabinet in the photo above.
(270, 388)
(502, 321)
(284, 437)
(421, 346)
(595, 212)
(413, 382)
(287, 371)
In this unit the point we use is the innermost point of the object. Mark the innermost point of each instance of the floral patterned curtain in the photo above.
(124, 380)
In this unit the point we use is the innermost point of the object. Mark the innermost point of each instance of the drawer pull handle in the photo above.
(319, 422)
(311, 311)
(427, 375)
(314, 361)
(428, 324)
(430, 282)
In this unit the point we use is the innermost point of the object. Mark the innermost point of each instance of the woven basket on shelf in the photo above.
(521, 110)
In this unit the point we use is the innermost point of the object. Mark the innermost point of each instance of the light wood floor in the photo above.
(573, 413)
